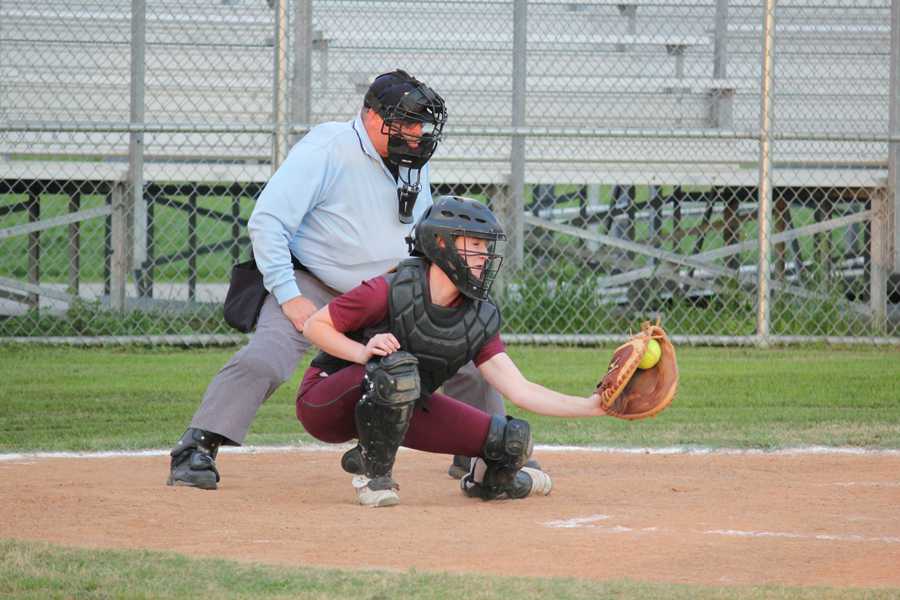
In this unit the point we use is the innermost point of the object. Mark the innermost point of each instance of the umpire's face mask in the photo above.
(414, 126)
(411, 144)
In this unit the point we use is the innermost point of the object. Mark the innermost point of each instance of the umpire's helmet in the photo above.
(451, 217)
(399, 98)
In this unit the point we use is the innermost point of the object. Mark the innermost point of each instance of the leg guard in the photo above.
(506, 450)
(194, 460)
(390, 390)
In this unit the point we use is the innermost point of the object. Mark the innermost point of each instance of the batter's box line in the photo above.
(593, 522)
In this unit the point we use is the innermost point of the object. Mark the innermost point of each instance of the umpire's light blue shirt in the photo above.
(333, 204)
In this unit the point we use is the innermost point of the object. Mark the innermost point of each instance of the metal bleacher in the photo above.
(598, 65)
(618, 92)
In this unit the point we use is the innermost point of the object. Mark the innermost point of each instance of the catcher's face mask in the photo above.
(482, 257)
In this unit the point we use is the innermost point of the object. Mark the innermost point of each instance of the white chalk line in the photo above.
(865, 484)
(592, 522)
(576, 522)
(318, 447)
(801, 536)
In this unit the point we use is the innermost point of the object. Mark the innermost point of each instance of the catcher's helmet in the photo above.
(451, 217)
(401, 99)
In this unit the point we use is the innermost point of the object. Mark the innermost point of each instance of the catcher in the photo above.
(388, 344)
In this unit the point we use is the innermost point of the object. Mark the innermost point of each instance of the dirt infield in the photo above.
(715, 519)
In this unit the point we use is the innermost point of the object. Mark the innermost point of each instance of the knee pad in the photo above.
(506, 450)
(508, 443)
(392, 379)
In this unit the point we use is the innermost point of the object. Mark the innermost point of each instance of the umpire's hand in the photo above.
(298, 310)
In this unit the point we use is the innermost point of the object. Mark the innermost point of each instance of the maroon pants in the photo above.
(326, 408)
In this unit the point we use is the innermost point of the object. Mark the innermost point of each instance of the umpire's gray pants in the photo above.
(270, 358)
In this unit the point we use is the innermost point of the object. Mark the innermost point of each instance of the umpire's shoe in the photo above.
(194, 460)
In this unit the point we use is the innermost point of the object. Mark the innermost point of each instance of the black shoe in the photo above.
(526, 482)
(194, 460)
(459, 467)
(461, 464)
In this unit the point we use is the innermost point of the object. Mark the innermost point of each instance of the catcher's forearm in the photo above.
(538, 399)
(504, 376)
(321, 332)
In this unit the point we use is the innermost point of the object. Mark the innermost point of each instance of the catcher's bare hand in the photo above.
(597, 405)
(381, 344)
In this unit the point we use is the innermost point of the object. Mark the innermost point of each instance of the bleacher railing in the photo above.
(727, 166)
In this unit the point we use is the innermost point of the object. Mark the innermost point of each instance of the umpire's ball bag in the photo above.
(245, 296)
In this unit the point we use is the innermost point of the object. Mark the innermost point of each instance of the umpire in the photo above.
(340, 206)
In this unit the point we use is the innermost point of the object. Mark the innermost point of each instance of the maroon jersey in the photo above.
(366, 305)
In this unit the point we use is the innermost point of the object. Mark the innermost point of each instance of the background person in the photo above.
(341, 204)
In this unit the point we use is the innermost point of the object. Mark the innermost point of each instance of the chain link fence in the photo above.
(728, 166)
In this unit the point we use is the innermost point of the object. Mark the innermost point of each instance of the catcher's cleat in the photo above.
(352, 461)
(378, 492)
(527, 482)
(530, 482)
(460, 466)
(194, 460)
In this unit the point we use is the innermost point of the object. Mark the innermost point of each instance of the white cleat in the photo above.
(528, 481)
(541, 484)
(374, 498)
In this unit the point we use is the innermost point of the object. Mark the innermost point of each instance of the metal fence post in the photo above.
(514, 213)
(885, 228)
(301, 84)
(720, 41)
(721, 98)
(74, 243)
(894, 152)
(118, 263)
(34, 247)
(763, 308)
(136, 137)
(279, 86)
(879, 248)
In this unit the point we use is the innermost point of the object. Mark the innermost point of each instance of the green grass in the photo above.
(131, 398)
(36, 570)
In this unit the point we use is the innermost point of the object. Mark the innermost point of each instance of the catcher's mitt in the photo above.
(627, 392)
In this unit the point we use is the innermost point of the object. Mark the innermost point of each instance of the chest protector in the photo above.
(442, 338)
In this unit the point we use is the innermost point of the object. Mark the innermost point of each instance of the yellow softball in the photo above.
(651, 356)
